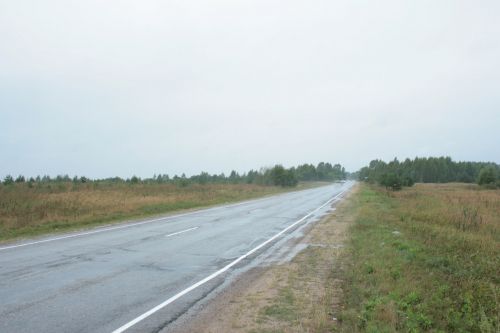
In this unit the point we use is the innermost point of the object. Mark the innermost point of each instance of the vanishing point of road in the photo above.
(141, 276)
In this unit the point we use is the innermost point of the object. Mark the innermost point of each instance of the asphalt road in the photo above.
(151, 272)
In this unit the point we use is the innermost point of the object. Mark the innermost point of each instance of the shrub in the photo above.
(408, 181)
(391, 180)
(8, 180)
(282, 177)
(20, 179)
(487, 176)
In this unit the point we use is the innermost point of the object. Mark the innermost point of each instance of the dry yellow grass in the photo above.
(445, 204)
(28, 210)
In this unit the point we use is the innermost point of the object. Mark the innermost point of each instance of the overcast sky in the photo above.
(105, 88)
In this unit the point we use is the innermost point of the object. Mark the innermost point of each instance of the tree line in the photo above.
(277, 175)
(396, 174)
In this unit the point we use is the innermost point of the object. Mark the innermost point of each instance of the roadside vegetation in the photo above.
(425, 259)
(43, 204)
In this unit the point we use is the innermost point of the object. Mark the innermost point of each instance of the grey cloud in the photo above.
(137, 87)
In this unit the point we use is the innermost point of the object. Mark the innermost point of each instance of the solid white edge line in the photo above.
(220, 271)
(137, 223)
(181, 232)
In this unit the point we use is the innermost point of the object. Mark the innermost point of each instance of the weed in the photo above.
(438, 273)
(469, 219)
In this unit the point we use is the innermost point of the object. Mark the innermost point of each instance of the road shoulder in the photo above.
(297, 296)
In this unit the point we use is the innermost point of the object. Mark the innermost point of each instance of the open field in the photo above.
(423, 259)
(44, 208)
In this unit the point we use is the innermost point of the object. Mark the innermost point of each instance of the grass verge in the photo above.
(423, 259)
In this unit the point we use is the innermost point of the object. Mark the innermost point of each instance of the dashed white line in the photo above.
(93, 231)
(181, 232)
(220, 271)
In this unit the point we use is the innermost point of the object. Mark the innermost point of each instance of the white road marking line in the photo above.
(220, 271)
(181, 232)
(93, 232)
(137, 223)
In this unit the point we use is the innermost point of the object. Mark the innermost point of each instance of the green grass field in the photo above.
(425, 259)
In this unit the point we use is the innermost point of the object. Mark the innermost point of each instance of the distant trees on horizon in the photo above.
(277, 175)
(396, 174)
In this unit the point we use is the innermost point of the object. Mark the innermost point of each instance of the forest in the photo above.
(396, 174)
